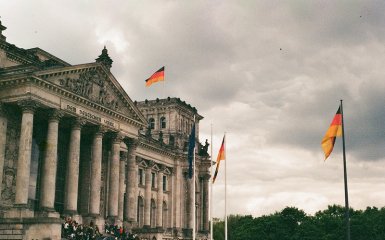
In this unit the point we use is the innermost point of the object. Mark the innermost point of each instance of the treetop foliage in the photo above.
(294, 224)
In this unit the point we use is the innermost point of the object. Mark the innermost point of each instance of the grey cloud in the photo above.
(270, 73)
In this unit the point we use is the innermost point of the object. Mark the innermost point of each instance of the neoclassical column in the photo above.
(177, 194)
(205, 203)
(72, 179)
(132, 183)
(25, 148)
(96, 171)
(3, 138)
(122, 175)
(159, 197)
(147, 196)
(48, 177)
(113, 192)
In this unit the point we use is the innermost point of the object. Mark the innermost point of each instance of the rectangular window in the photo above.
(153, 180)
(141, 176)
(164, 183)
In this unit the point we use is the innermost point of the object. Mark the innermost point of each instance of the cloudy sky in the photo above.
(269, 73)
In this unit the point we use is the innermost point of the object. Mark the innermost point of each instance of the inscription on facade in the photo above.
(88, 114)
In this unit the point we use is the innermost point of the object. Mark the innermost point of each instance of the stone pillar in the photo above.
(147, 197)
(177, 194)
(25, 149)
(132, 184)
(96, 172)
(3, 139)
(205, 203)
(159, 197)
(48, 177)
(113, 192)
(122, 175)
(72, 177)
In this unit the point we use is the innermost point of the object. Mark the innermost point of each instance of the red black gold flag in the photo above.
(335, 130)
(156, 77)
(221, 156)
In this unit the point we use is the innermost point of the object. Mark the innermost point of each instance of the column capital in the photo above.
(162, 167)
(123, 156)
(150, 164)
(131, 143)
(55, 115)
(205, 176)
(28, 105)
(117, 137)
(78, 123)
(100, 131)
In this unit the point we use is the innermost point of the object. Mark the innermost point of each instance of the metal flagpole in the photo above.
(225, 189)
(194, 200)
(211, 185)
(347, 218)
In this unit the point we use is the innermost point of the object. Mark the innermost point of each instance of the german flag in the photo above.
(156, 77)
(335, 130)
(221, 156)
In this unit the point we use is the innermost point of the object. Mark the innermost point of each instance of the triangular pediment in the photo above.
(93, 82)
(167, 171)
(155, 168)
(143, 164)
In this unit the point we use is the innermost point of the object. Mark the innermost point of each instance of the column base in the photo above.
(112, 220)
(70, 212)
(146, 226)
(74, 215)
(130, 224)
(48, 212)
(19, 211)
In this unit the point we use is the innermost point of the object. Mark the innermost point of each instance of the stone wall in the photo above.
(8, 185)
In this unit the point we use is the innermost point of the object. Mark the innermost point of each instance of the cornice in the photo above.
(149, 146)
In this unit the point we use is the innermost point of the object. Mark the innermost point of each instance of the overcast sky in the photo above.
(270, 74)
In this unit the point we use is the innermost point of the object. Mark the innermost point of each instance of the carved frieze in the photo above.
(91, 84)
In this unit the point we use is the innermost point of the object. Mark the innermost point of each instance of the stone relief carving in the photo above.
(92, 85)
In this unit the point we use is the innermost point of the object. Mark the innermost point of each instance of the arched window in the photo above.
(162, 122)
(153, 214)
(165, 215)
(151, 123)
(140, 212)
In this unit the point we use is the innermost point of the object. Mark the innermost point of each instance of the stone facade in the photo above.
(73, 143)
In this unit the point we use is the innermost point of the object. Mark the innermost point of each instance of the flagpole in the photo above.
(194, 200)
(347, 218)
(225, 191)
(211, 185)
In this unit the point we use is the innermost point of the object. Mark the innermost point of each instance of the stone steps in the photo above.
(11, 231)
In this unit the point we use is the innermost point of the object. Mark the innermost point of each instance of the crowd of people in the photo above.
(75, 231)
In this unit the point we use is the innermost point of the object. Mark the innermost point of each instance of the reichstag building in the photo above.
(74, 144)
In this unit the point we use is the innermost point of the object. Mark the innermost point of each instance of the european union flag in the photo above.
(191, 147)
